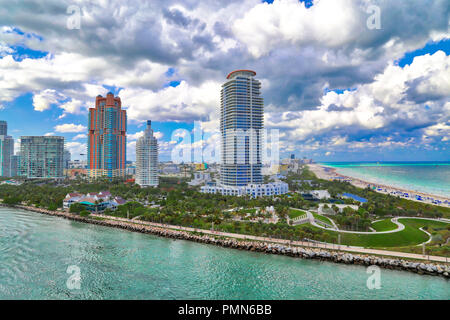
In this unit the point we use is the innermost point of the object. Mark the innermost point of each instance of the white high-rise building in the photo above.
(147, 158)
(241, 127)
(6, 150)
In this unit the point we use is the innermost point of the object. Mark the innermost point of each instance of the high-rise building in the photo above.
(241, 125)
(67, 158)
(3, 128)
(6, 150)
(42, 157)
(15, 165)
(107, 138)
(147, 158)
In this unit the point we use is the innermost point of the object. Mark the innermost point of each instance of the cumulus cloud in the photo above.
(70, 127)
(300, 55)
(76, 148)
(376, 110)
(80, 136)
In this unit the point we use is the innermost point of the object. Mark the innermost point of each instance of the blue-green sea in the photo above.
(36, 251)
(428, 177)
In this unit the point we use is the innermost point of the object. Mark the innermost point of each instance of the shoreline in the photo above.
(268, 247)
(331, 173)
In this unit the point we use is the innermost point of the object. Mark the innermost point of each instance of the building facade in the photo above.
(42, 157)
(6, 150)
(241, 125)
(15, 165)
(107, 138)
(3, 128)
(67, 158)
(147, 158)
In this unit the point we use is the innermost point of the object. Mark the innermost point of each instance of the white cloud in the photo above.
(43, 99)
(329, 22)
(181, 103)
(80, 136)
(70, 127)
(76, 149)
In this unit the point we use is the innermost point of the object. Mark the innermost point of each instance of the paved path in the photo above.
(429, 235)
(400, 226)
(328, 246)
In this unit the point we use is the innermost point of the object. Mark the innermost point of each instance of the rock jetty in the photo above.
(264, 247)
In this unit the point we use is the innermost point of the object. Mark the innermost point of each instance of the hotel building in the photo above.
(241, 127)
(42, 157)
(107, 138)
(147, 158)
(6, 150)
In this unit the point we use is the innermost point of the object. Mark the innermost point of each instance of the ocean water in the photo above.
(37, 250)
(428, 177)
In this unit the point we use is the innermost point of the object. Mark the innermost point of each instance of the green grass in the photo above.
(384, 225)
(322, 218)
(294, 213)
(410, 236)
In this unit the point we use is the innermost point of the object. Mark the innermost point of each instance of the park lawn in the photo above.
(294, 213)
(384, 225)
(322, 218)
(410, 236)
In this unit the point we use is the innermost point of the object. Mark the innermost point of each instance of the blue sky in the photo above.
(336, 90)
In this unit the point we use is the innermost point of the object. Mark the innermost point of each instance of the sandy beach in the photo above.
(328, 173)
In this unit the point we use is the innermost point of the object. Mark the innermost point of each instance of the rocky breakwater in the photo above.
(264, 247)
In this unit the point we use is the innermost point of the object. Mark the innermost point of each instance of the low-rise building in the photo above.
(93, 201)
(252, 190)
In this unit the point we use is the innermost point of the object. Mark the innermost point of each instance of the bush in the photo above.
(11, 200)
(76, 208)
(52, 207)
(84, 213)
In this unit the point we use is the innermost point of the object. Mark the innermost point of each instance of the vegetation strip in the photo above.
(264, 247)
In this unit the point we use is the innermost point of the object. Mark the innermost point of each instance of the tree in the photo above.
(84, 213)
(76, 208)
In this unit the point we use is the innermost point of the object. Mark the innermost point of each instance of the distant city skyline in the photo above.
(336, 88)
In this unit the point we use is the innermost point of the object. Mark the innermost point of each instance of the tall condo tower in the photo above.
(241, 125)
(107, 138)
(42, 157)
(6, 150)
(147, 158)
(3, 128)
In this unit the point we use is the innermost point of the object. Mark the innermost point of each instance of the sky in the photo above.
(342, 80)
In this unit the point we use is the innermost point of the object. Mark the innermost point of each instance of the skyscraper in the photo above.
(6, 150)
(41, 157)
(147, 158)
(3, 128)
(241, 127)
(67, 158)
(107, 138)
(15, 165)
(241, 124)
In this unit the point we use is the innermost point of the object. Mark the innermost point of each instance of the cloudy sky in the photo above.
(341, 79)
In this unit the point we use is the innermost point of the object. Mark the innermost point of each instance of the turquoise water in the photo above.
(428, 177)
(36, 250)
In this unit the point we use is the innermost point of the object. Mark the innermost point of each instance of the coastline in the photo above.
(331, 173)
(259, 244)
